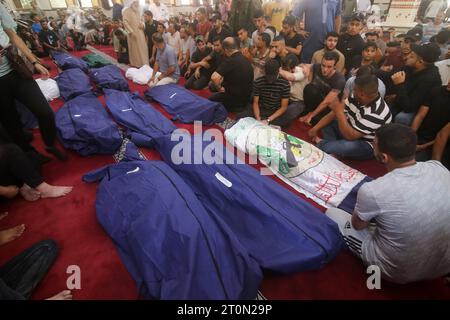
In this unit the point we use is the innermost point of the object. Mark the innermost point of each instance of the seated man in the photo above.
(364, 70)
(278, 49)
(351, 43)
(122, 49)
(260, 54)
(49, 39)
(366, 58)
(349, 130)
(293, 40)
(234, 77)
(331, 42)
(166, 62)
(270, 98)
(409, 241)
(197, 75)
(432, 116)
(415, 83)
(298, 79)
(326, 84)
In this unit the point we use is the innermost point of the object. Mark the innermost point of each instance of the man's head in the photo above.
(439, 17)
(243, 34)
(331, 40)
(200, 42)
(183, 33)
(422, 55)
(44, 25)
(392, 49)
(201, 14)
(263, 41)
(172, 28)
(54, 25)
(157, 2)
(272, 70)
(288, 25)
(395, 144)
(229, 46)
(119, 34)
(289, 62)
(369, 51)
(278, 45)
(443, 37)
(217, 45)
(414, 35)
(191, 28)
(328, 64)
(160, 28)
(259, 20)
(372, 37)
(365, 89)
(217, 21)
(158, 40)
(148, 16)
(355, 25)
(35, 17)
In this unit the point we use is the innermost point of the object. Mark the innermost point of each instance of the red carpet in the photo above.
(71, 222)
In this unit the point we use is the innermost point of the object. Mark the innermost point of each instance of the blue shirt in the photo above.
(320, 18)
(167, 58)
(6, 22)
(36, 27)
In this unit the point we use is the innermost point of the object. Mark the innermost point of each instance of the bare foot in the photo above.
(49, 191)
(29, 194)
(11, 234)
(3, 215)
(63, 295)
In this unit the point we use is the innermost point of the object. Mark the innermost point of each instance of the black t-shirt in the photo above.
(357, 61)
(325, 85)
(438, 115)
(224, 33)
(49, 37)
(350, 46)
(295, 41)
(237, 73)
(149, 30)
(198, 56)
(216, 60)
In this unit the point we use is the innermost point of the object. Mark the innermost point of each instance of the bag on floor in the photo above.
(94, 60)
(142, 75)
(109, 77)
(281, 231)
(84, 126)
(304, 167)
(171, 246)
(49, 88)
(65, 61)
(186, 106)
(143, 121)
(72, 83)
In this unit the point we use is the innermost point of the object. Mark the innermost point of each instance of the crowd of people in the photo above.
(365, 92)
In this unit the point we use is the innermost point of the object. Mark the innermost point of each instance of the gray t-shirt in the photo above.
(167, 58)
(6, 22)
(411, 207)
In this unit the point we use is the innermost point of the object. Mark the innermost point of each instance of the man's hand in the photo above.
(197, 74)
(304, 33)
(264, 122)
(222, 89)
(42, 70)
(187, 74)
(9, 191)
(306, 119)
(306, 70)
(387, 68)
(398, 77)
(312, 133)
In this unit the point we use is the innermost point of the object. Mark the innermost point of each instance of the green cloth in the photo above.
(95, 61)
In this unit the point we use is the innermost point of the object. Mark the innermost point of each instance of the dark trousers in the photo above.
(197, 84)
(230, 103)
(13, 87)
(313, 97)
(293, 111)
(16, 168)
(20, 276)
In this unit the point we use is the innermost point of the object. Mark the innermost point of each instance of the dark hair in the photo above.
(228, 44)
(157, 38)
(443, 36)
(258, 14)
(368, 34)
(33, 15)
(331, 55)
(217, 38)
(333, 34)
(290, 21)
(398, 141)
(365, 70)
(265, 37)
(161, 24)
(368, 83)
(393, 44)
(279, 38)
(290, 61)
(243, 28)
(118, 33)
(148, 12)
(272, 28)
(370, 44)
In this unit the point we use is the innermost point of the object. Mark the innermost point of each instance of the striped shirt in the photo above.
(367, 119)
(271, 94)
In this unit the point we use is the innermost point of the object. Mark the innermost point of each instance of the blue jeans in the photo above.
(334, 143)
(404, 118)
(20, 276)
